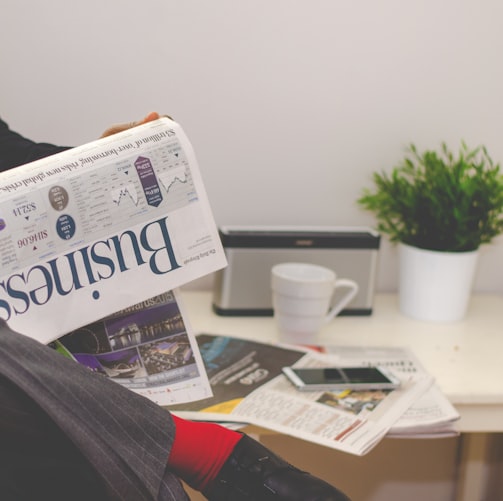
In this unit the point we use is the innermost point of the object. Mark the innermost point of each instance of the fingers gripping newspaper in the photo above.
(94, 242)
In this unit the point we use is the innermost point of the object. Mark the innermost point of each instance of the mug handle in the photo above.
(353, 290)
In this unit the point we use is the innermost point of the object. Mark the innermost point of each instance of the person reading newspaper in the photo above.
(69, 433)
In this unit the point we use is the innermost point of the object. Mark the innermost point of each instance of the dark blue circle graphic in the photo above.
(65, 226)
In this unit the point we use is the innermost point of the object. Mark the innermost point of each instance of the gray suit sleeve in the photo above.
(126, 438)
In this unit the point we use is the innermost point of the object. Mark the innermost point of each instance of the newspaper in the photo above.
(432, 415)
(248, 387)
(98, 228)
(149, 348)
(94, 242)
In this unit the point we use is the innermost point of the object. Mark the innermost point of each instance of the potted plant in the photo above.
(439, 207)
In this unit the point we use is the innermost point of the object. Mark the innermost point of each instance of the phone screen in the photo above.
(340, 378)
(355, 375)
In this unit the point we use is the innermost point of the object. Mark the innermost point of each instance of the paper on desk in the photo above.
(92, 239)
(248, 387)
(432, 415)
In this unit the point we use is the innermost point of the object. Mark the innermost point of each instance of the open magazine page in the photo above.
(431, 415)
(98, 228)
(235, 368)
(259, 394)
(148, 348)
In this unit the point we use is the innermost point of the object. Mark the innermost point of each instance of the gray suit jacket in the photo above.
(66, 433)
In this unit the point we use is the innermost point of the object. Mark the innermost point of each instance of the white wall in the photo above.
(290, 105)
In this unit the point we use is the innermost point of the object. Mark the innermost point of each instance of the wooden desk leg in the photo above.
(473, 467)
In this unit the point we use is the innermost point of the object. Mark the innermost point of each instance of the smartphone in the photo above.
(341, 378)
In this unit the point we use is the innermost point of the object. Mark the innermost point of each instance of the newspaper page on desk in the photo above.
(248, 387)
(98, 228)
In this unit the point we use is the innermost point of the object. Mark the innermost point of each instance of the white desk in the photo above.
(464, 357)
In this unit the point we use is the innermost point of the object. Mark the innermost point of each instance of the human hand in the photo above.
(121, 127)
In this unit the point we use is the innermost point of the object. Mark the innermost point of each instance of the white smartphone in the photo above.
(341, 378)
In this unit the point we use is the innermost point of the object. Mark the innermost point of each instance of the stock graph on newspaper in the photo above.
(129, 188)
(93, 190)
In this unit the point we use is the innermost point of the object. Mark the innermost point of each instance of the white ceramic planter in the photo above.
(433, 285)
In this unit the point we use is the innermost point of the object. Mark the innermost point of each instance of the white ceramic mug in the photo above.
(302, 296)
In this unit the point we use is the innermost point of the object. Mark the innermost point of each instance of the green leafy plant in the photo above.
(439, 201)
